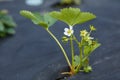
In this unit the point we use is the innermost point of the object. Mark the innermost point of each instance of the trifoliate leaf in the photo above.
(43, 20)
(72, 16)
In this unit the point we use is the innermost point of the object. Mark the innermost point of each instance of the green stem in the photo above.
(72, 50)
(60, 48)
(76, 40)
(81, 55)
(81, 50)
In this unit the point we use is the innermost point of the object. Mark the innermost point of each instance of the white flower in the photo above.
(68, 31)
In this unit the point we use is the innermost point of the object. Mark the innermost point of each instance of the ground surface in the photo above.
(31, 50)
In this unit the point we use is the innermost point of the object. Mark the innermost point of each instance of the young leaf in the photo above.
(95, 46)
(87, 50)
(42, 20)
(76, 61)
(90, 48)
(72, 16)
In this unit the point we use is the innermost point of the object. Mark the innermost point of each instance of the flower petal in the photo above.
(66, 29)
(72, 31)
(91, 37)
(70, 27)
(65, 33)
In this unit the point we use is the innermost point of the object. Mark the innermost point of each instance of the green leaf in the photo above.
(38, 18)
(76, 61)
(72, 16)
(90, 48)
(45, 20)
(10, 31)
(42, 20)
(84, 17)
(8, 21)
(7, 24)
(35, 17)
(41, 23)
(87, 50)
(2, 34)
(49, 20)
(27, 14)
(1, 26)
(95, 46)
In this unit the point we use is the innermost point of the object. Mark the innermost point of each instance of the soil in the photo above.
(53, 72)
(31, 51)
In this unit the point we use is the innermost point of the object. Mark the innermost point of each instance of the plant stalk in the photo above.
(66, 57)
(81, 50)
(76, 40)
(81, 54)
(72, 50)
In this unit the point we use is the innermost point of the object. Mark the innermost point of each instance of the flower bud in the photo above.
(92, 28)
(64, 39)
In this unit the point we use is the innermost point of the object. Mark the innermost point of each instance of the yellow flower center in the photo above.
(69, 31)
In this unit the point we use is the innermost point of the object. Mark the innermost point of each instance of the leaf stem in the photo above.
(76, 40)
(81, 55)
(66, 57)
(81, 50)
(72, 50)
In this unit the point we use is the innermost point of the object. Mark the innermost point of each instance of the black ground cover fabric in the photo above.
(31, 54)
